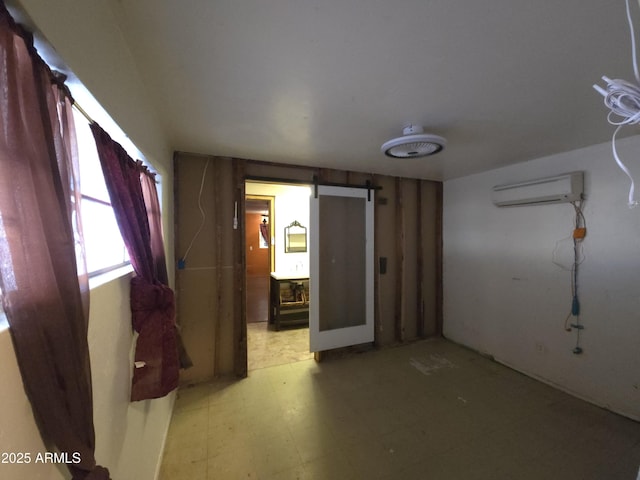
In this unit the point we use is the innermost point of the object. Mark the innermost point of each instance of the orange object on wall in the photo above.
(579, 233)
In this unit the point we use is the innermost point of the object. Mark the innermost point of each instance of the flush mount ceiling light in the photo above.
(414, 143)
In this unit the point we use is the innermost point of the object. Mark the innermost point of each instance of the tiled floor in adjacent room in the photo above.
(429, 410)
(268, 347)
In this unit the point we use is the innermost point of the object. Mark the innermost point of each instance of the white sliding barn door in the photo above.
(341, 268)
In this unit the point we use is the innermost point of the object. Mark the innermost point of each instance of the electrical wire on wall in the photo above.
(577, 237)
(623, 100)
(183, 261)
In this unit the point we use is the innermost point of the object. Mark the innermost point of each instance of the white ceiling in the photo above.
(325, 83)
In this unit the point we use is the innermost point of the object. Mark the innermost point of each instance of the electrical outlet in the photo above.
(540, 347)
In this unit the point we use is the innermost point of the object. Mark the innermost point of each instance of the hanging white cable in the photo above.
(202, 213)
(632, 202)
(623, 100)
(633, 42)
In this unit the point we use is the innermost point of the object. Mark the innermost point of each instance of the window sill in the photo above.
(99, 280)
(94, 282)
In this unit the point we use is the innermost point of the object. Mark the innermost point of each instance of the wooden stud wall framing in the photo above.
(420, 264)
(439, 255)
(239, 269)
(400, 257)
(218, 264)
(377, 328)
(408, 295)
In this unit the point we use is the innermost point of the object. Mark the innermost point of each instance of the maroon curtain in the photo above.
(154, 215)
(264, 232)
(43, 284)
(152, 301)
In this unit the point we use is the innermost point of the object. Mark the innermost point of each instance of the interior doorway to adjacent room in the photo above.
(269, 209)
(258, 226)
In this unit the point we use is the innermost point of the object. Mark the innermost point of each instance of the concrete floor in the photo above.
(428, 410)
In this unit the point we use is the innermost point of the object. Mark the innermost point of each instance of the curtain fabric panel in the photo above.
(42, 275)
(152, 301)
(154, 216)
(264, 232)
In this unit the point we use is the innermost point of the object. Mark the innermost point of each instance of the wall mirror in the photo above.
(295, 238)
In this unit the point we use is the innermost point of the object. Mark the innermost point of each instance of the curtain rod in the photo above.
(84, 114)
(91, 121)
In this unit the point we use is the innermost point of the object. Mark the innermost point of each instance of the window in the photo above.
(3, 319)
(104, 247)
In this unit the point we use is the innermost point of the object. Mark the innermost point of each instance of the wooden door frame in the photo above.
(429, 198)
(241, 179)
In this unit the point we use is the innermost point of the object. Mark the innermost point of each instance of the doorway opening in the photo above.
(258, 226)
(276, 273)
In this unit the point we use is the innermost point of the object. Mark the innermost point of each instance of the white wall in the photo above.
(504, 296)
(129, 436)
(87, 39)
(83, 40)
(18, 431)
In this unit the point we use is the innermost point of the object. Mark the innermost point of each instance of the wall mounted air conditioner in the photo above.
(558, 189)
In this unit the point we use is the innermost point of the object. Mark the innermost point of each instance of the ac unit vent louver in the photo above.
(558, 189)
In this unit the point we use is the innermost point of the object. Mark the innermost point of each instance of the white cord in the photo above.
(623, 100)
(555, 255)
(631, 202)
(202, 212)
